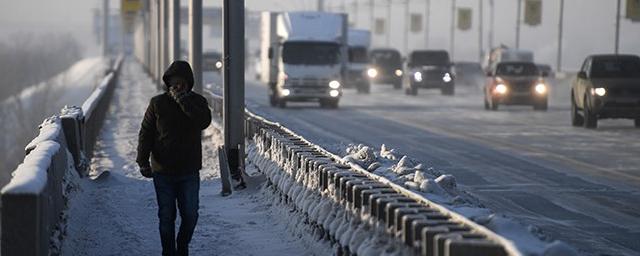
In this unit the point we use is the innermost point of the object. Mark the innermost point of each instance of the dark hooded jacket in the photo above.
(171, 131)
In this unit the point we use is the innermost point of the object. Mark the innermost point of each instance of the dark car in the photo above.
(385, 67)
(211, 61)
(469, 73)
(516, 83)
(607, 86)
(430, 70)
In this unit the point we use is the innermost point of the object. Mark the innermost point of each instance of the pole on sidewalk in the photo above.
(233, 79)
(617, 47)
(321, 5)
(407, 22)
(452, 36)
(372, 17)
(518, 21)
(427, 23)
(195, 42)
(175, 30)
(492, 9)
(560, 31)
(158, 45)
(388, 27)
(105, 28)
(480, 30)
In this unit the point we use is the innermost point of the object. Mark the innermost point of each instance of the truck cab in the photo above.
(429, 69)
(303, 57)
(356, 76)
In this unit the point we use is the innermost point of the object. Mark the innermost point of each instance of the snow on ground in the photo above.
(116, 214)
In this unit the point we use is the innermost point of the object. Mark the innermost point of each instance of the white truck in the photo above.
(359, 41)
(303, 56)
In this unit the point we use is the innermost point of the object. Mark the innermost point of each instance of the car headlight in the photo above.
(286, 92)
(334, 93)
(218, 64)
(334, 84)
(599, 91)
(501, 89)
(399, 72)
(447, 78)
(541, 88)
(372, 73)
(417, 76)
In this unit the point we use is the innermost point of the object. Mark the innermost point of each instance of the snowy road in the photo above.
(580, 186)
(116, 215)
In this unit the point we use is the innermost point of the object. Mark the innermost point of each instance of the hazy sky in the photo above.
(589, 24)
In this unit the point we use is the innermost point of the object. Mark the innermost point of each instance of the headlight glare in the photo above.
(334, 93)
(334, 84)
(286, 92)
(541, 88)
(599, 91)
(447, 78)
(372, 73)
(399, 72)
(417, 76)
(501, 89)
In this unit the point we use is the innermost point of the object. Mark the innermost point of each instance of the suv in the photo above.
(516, 83)
(607, 86)
(385, 67)
(429, 69)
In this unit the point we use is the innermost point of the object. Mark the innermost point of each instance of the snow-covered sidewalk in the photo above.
(116, 214)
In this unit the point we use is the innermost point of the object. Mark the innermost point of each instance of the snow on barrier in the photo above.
(33, 201)
(362, 213)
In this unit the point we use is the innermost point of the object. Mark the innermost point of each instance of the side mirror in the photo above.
(582, 75)
(270, 52)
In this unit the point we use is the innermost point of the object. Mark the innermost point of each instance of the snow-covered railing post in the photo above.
(33, 201)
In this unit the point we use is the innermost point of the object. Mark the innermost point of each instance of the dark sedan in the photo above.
(516, 83)
(607, 86)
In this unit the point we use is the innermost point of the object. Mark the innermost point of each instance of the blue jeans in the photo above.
(185, 191)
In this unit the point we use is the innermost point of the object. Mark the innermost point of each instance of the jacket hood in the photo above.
(181, 69)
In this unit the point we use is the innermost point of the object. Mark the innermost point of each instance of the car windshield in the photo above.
(616, 68)
(386, 58)
(310, 53)
(517, 69)
(429, 58)
(358, 55)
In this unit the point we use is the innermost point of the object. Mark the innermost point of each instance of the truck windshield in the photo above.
(310, 53)
(429, 58)
(517, 69)
(616, 68)
(386, 58)
(358, 55)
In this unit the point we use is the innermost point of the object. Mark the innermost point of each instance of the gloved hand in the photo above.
(146, 171)
(178, 96)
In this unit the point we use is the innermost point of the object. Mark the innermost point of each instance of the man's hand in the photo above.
(178, 95)
(146, 171)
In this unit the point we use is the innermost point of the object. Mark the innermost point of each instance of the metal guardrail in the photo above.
(32, 202)
(420, 224)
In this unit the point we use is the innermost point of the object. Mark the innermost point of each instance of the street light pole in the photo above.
(480, 29)
(388, 27)
(175, 31)
(195, 42)
(452, 35)
(560, 31)
(105, 28)
(407, 21)
(617, 47)
(427, 17)
(492, 15)
(518, 21)
(233, 80)
(321, 5)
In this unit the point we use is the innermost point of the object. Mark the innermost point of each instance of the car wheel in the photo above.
(590, 119)
(328, 103)
(486, 104)
(637, 122)
(493, 105)
(273, 101)
(576, 118)
(411, 91)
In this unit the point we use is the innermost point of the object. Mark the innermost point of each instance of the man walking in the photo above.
(171, 136)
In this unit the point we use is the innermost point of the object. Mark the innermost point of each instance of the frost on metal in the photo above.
(31, 176)
(71, 111)
(330, 219)
(49, 130)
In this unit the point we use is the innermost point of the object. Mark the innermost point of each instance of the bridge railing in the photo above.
(33, 200)
(423, 227)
